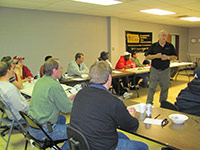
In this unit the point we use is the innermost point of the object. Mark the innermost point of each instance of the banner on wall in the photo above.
(138, 41)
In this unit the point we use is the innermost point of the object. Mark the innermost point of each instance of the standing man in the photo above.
(77, 67)
(160, 53)
(47, 101)
(97, 114)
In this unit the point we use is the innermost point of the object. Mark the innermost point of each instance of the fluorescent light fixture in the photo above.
(190, 18)
(100, 2)
(157, 12)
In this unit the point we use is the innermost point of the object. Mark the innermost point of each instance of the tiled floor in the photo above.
(17, 140)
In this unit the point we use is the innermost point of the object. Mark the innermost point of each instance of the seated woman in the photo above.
(23, 70)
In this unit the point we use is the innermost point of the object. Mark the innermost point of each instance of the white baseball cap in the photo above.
(126, 53)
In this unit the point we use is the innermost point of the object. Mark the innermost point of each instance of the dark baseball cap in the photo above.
(104, 53)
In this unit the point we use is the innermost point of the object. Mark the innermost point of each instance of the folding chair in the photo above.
(77, 140)
(48, 142)
(9, 124)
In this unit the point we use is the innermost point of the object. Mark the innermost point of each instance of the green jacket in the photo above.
(137, 62)
(48, 100)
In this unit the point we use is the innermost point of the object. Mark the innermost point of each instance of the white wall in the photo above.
(194, 48)
(131, 25)
(35, 34)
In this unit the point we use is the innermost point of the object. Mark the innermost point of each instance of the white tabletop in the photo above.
(28, 89)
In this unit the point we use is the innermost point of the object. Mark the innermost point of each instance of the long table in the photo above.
(184, 137)
(28, 89)
(121, 73)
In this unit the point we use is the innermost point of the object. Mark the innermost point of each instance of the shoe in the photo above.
(127, 95)
(133, 87)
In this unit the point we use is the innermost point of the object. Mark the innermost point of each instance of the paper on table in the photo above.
(115, 71)
(147, 67)
(153, 121)
(137, 107)
(65, 87)
(78, 79)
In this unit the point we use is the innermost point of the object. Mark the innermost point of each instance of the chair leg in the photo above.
(26, 144)
(10, 132)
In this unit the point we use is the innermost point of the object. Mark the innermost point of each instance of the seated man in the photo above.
(143, 76)
(48, 100)
(22, 70)
(188, 100)
(126, 63)
(11, 93)
(102, 113)
(77, 67)
(104, 56)
(19, 83)
(42, 67)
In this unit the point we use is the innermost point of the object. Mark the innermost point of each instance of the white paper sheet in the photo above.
(137, 107)
(153, 121)
(78, 79)
(115, 71)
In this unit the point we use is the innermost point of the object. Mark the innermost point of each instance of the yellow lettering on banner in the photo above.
(133, 38)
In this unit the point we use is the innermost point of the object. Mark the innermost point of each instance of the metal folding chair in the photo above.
(48, 142)
(9, 124)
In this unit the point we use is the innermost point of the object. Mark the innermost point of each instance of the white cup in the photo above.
(142, 107)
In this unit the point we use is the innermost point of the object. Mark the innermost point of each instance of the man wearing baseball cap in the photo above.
(188, 100)
(104, 56)
(126, 63)
(13, 63)
(23, 70)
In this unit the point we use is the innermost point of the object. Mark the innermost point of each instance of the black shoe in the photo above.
(133, 87)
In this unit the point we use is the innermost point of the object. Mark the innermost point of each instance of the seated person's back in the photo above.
(97, 113)
(9, 93)
(188, 100)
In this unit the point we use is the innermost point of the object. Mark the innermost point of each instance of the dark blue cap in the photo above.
(104, 53)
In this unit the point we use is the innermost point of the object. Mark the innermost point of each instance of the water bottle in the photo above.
(38, 75)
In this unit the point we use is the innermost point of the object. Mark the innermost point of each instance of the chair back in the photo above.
(33, 124)
(7, 109)
(168, 105)
(77, 140)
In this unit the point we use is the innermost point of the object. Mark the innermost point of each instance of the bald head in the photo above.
(162, 36)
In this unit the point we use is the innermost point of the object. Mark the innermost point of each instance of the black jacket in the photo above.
(97, 114)
(188, 100)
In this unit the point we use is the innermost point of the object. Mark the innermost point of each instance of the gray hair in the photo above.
(99, 72)
(49, 65)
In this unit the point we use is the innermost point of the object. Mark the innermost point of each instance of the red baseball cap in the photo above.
(18, 58)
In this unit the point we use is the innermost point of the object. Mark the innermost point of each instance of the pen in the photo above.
(195, 120)
(157, 116)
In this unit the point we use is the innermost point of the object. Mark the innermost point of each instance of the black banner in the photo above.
(138, 41)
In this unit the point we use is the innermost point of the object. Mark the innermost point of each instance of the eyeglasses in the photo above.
(164, 122)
